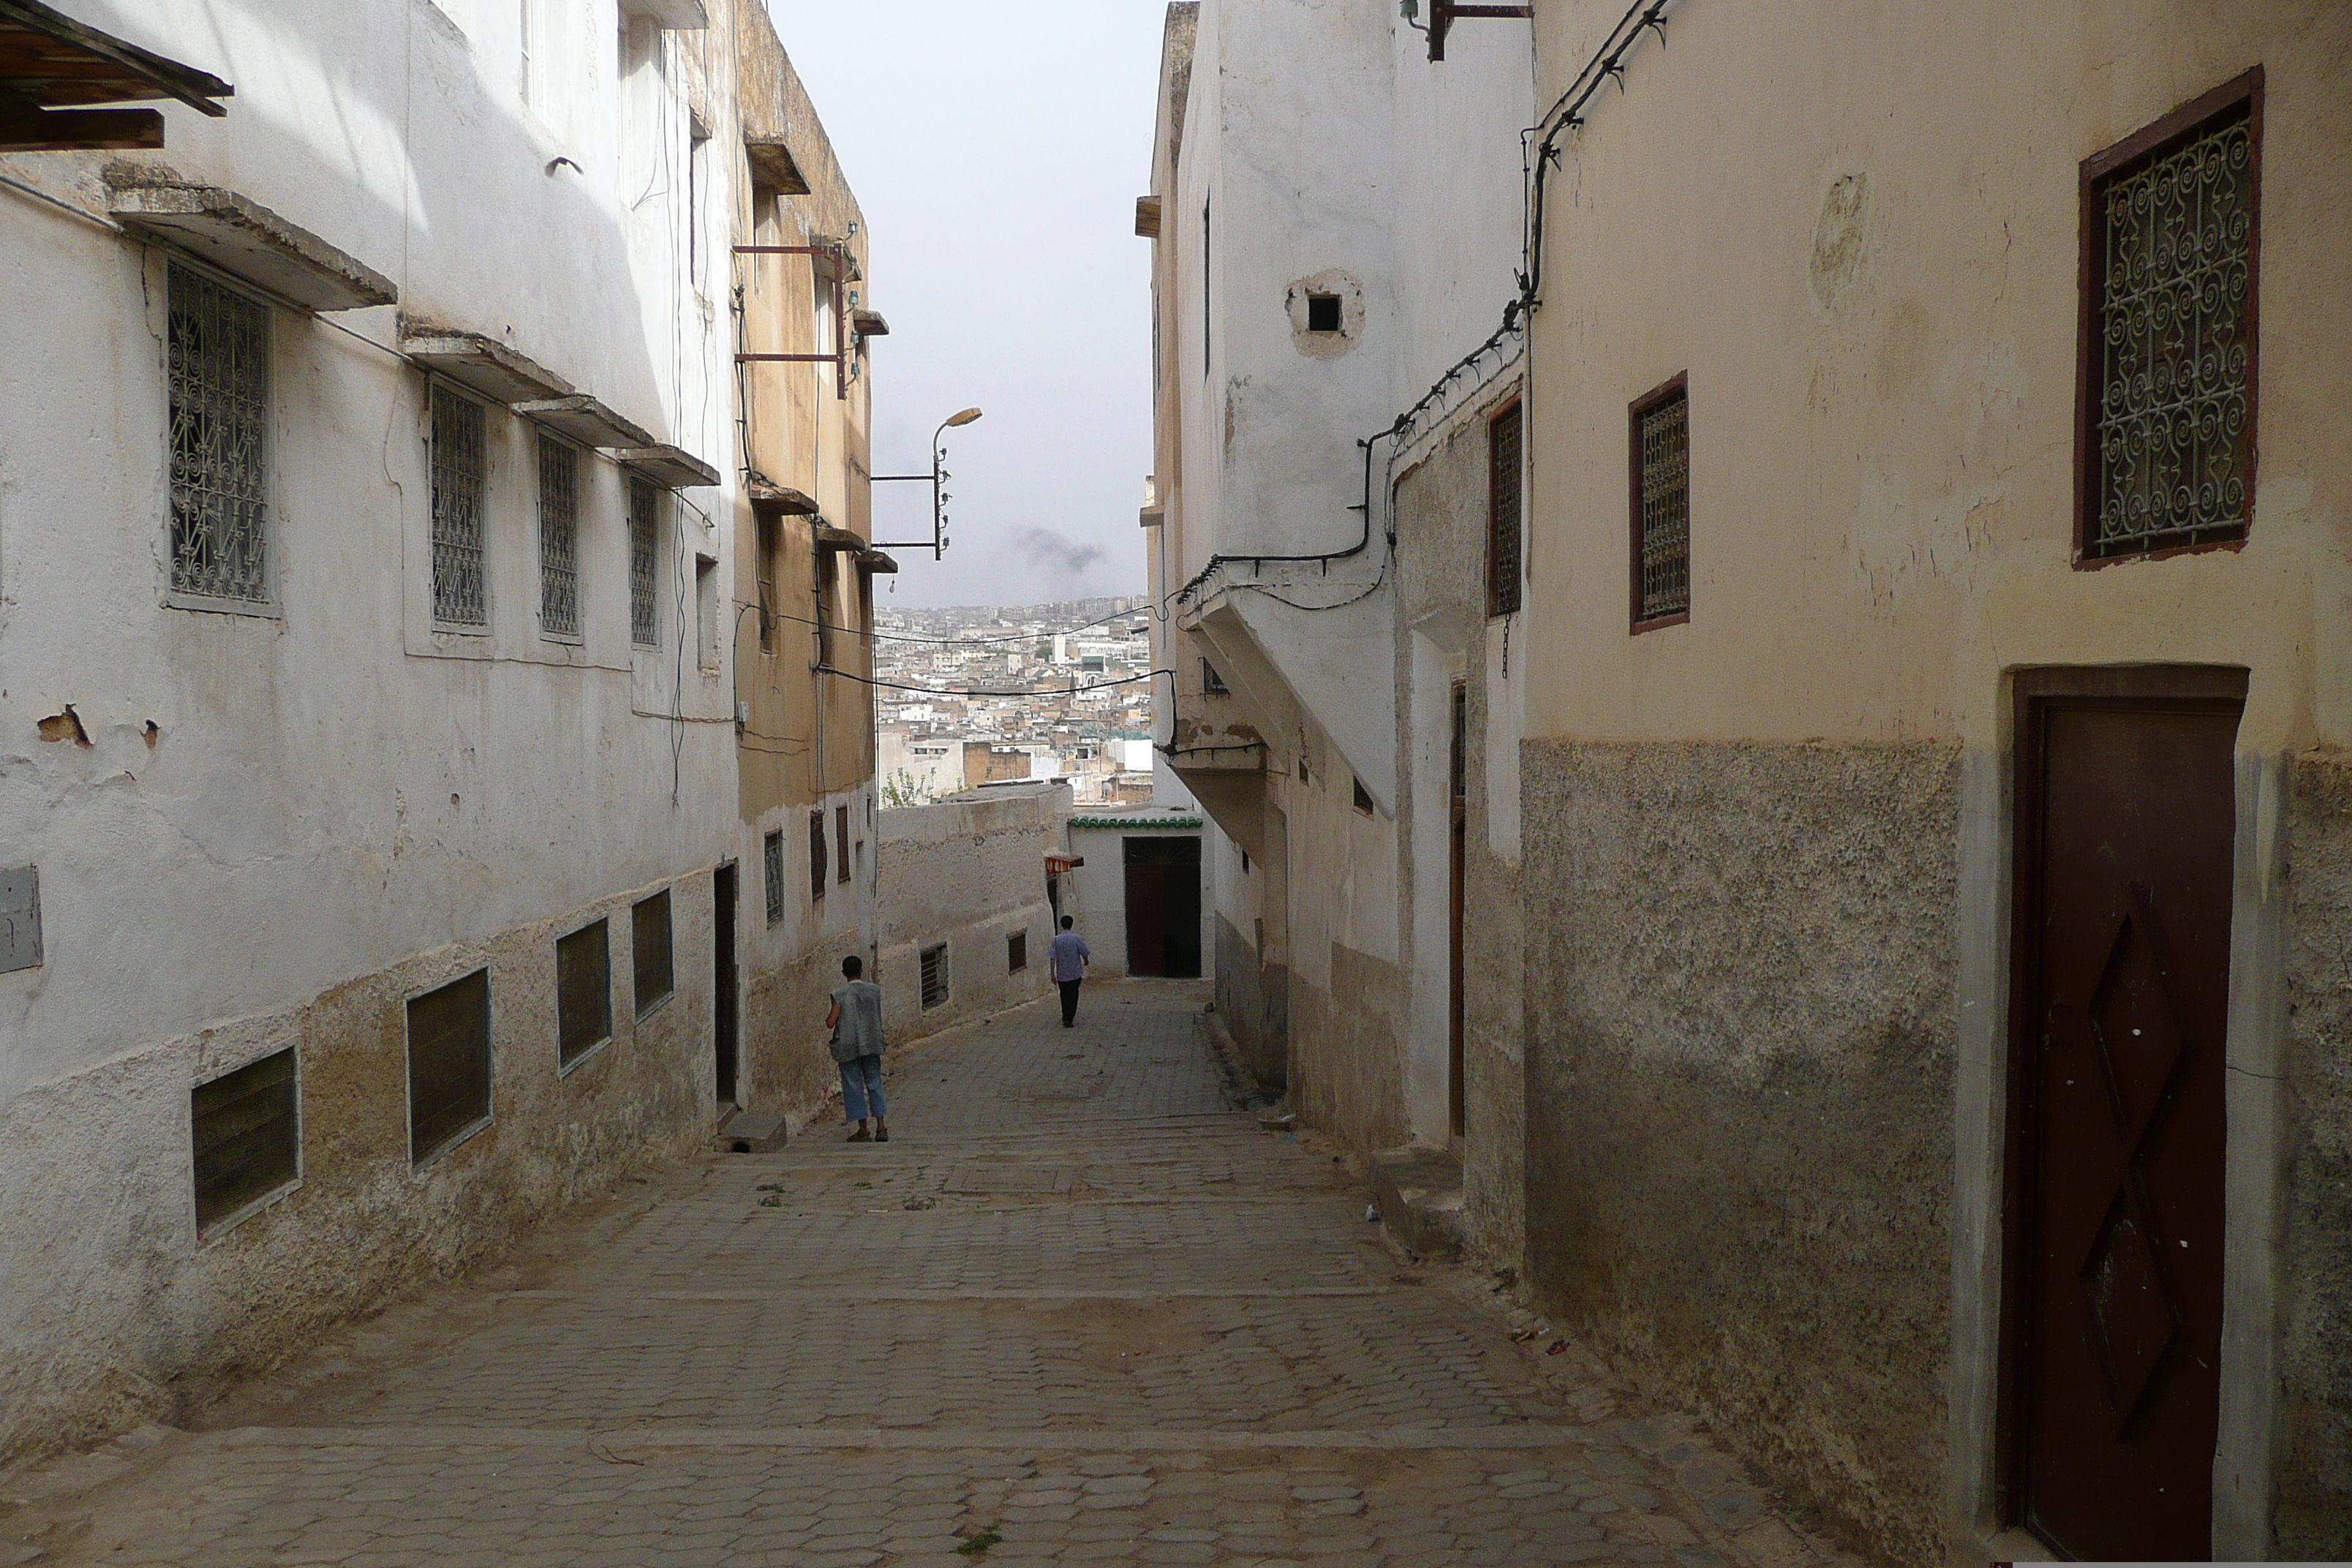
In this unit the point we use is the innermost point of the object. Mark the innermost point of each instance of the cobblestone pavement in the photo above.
(1079, 1310)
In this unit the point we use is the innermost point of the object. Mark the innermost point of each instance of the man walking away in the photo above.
(1070, 956)
(856, 1021)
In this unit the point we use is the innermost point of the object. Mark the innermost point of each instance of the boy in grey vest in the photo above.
(856, 1021)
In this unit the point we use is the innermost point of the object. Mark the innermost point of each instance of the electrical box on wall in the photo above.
(20, 918)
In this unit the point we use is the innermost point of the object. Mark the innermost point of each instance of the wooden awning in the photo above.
(51, 67)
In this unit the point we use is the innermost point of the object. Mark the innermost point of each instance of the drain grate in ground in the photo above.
(980, 1180)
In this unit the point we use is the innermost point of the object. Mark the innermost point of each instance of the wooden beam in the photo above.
(79, 129)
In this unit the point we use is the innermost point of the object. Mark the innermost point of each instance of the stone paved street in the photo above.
(1079, 1310)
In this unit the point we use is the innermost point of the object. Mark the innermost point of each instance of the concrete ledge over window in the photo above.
(583, 419)
(774, 168)
(670, 466)
(481, 365)
(245, 238)
(767, 494)
(879, 563)
(674, 16)
(870, 323)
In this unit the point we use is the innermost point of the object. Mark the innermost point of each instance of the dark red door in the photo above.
(2125, 822)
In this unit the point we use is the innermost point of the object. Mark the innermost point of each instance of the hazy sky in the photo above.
(997, 149)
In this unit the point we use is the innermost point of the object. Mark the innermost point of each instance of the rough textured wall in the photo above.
(966, 873)
(1253, 999)
(1741, 962)
(1347, 1050)
(1442, 512)
(2314, 1507)
(1494, 1027)
(112, 1311)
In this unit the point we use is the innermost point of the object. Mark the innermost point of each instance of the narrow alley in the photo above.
(1080, 1308)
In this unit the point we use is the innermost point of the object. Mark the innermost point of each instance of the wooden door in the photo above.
(1457, 850)
(2126, 818)
(722, 950)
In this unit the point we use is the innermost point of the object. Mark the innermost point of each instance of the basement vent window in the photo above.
(219, 344)
(1363, 797)
(248, 1138)
(1212, 683)
(583, 992)
(772, 855)
(935, 976)
(1322, 312)
(1016, 952)
(1661, 507)
(448, 1066)
(559, 539)
(460, 587)
(645, 571)
(649, 934)
(817, 855)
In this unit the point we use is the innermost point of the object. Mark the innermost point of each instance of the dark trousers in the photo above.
(1070, 1001)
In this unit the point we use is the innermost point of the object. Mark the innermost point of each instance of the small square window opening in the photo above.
(1016, 952)
(1363, 798)
(1212, 683)
(1322, 312)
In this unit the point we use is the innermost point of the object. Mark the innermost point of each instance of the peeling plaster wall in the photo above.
(283, 820)
(112, 1311)
(1740, 970)
(968, 872)
(1445, 636)
(1881, 340)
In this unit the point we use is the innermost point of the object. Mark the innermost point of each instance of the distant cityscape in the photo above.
(980, 694)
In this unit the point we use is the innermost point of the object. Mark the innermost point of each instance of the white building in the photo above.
(374, 801)
(1333, 238)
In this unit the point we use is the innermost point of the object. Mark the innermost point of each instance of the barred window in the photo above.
(644, 575)
(559, 539)
(460, 597)
(2169, 235)
(220, 360)
(1503, 534)
(772, 858)
(655, 981)
(935, 976)
(1661, 551)
(583, 992)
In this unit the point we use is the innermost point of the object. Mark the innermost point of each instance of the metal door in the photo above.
(2126, 819)
(722, 949)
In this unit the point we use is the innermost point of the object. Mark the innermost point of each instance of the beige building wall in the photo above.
(802, 621)
(1768, 850)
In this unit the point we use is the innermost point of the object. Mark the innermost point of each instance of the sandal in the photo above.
(861, 1136)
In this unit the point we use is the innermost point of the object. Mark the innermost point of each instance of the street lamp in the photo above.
(938, 543)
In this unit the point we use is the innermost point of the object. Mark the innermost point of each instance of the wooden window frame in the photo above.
(1504, 595)
(2182, 122)
(1674, 386)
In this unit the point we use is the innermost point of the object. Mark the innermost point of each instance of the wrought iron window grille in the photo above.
(559, 539)
(771, 865)
(644, 556)
(1661, 505)
(2170, 236)
(219, 344)
(1505, 535)
(460, 586)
